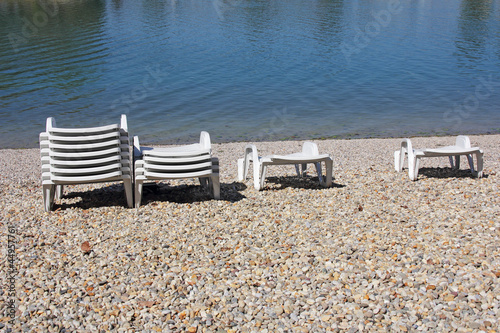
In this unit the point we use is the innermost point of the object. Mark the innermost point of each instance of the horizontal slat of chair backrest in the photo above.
(206, 165)
(85, 154)
(176, 154)
(81, 162)
(54, 137)
(84, 131)
(85, 170)
(74, 167)
(92, 163)
(80, 146)
(174, 175)
(113, 175)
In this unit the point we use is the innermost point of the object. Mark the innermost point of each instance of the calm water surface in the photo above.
(250, 69)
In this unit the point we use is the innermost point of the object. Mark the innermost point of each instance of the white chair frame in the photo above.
(308, 155)
(462, 147)
(189, 161)
(84, 155)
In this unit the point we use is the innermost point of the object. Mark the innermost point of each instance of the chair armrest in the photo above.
(205, 140)
(51, 122)
(124, 124)
(137, 148)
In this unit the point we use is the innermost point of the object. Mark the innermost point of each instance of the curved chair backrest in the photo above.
(463, 141)
(310, 148)
(406, 145)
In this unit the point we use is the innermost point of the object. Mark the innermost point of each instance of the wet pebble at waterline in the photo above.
(375, 252)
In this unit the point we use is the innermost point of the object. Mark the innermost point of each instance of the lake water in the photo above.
(250, 69)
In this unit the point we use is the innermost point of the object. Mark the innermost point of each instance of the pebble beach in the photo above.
(375, 252)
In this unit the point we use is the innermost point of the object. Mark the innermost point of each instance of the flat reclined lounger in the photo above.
(461, 147)
(309, 154)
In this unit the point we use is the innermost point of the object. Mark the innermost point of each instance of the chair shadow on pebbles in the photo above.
(188, 193)
(112, 195)
(446, 172)
(106, 196)
(304, 182)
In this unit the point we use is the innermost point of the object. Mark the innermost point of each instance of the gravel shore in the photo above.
(375, 252)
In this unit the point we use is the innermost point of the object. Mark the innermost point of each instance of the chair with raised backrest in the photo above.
(188, 161)
(73, 156)
(462, 147)
(309, 154)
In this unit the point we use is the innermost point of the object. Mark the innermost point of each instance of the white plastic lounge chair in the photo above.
(84, 155)
(309, 154)
(189, 161)
(461, 147)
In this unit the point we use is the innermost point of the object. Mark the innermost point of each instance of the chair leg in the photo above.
(413, 165)
(241, 169)
(203, 182)
(397, 154)
(259, 183)
(470, 159)
(59, 192)
(127, 183)
(297, 169)
(399, 159)
(452, 163)
(138, 193)
(48, 196)
(244, 163)
(457, 162)
(304, 170)
(328, 172)
(320, 173)
(215, 181)
(479, 159)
